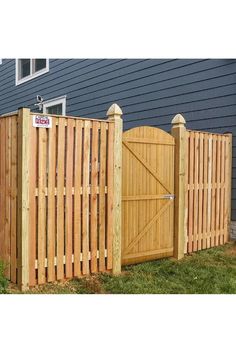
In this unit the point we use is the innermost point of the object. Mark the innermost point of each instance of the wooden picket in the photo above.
(208, 178)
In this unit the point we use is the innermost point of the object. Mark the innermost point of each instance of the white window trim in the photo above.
(32, 76)
(55, 101)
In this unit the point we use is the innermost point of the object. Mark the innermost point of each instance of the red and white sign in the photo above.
(42, 121)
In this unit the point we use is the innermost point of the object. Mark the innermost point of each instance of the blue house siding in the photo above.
(150, 92)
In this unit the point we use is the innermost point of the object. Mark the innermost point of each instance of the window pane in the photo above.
(24, 68)
(55, 109)
(40, 64)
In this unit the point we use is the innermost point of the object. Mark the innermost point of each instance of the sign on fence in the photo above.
(42, 121)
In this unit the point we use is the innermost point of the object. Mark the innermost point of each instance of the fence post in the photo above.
(178, 131)
(23, 199)
(229, 182)
(114, 114)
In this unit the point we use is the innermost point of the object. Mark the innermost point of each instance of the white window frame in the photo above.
(32, 76)
(55, 101)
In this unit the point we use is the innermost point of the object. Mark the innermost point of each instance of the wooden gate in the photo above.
(147, 194)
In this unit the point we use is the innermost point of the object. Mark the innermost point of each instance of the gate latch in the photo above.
(169, 196)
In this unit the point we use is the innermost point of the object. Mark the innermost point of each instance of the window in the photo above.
(27, 69)
(55, 106)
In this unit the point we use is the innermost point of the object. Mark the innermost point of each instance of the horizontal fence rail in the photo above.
(208, 189)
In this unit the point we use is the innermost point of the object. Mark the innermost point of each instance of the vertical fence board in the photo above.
(85, 196)
(200, 196)
(13, 198)
(195, 192)
(3, 189)
(213, 183)
(110, 193)
(7, 239)
(217, 210)
(209, 193)
(42, 206)
(77, 197)
(51, 222)
(191, 175)
(60, 197)
(102, 180)
(69, 182)
(94, 199)
(205, 193)
(32, 205)
(228, 177)
(222, 192)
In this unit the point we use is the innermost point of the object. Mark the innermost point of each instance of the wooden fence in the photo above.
(208, 189)
(60, 194)
(57, 197)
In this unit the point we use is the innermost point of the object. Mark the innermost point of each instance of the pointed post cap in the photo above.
(114, 110)
(178, 120)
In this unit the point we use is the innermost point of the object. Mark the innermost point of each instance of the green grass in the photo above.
(3, 280)
(210, 271)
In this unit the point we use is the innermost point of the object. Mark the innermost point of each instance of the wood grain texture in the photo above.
(33, 205)
(147, 174)
(77, 197)
(178, 131)
(13, 219)
(60, 197)
(42, 206)
(51, 219)
(110, 193)
(85, 199)
(94, 197)
(23, 199)
(68, 202)
(102, 204)
(114, 116)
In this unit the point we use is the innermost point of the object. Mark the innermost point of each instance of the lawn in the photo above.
(210, 271)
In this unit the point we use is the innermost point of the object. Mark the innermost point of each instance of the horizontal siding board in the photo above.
(157, 92)
(163, 101)
(190, 116)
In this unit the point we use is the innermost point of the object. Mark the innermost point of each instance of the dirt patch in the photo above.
(94, 285)
(232, 250)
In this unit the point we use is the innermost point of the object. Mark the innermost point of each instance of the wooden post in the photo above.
(229, 182)
(114, 114)
(23, 199)
(178, 131)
